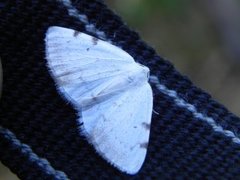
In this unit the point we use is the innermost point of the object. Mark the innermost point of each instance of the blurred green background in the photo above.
(201, 38)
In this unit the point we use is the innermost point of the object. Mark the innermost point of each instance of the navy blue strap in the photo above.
(191, 134)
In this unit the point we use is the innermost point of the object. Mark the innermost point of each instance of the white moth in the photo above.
(109, 90)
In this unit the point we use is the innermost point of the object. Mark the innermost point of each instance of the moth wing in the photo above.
(117, 123)
(81, 65)
(121, 133)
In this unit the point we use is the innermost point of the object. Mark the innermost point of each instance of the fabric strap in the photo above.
(192, 136)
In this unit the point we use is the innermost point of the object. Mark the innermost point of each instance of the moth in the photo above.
(108, 89)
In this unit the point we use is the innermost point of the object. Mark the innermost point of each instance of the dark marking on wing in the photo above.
(64, 74)
(94, 97)
(105, 119)
(94, 40)
(81, 124)
(130, 79)
(76, 33)
(144, 145)
(146, 126)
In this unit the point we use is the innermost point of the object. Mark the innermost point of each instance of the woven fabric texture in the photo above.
(192, 137)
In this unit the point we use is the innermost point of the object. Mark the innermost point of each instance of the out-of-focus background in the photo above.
(201, 38)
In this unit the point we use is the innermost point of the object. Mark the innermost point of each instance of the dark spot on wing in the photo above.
(94, 97)
(130, 79)
(64, 74)
(146, 126)
(94, 40)
(144, 145)
(81, 124)
(104, 118)
(76, 33)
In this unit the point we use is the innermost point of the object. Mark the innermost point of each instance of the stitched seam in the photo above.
(34, 158)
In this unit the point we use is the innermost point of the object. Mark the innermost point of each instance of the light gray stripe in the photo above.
(72, 11)
(180, 102)
(34, 158)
